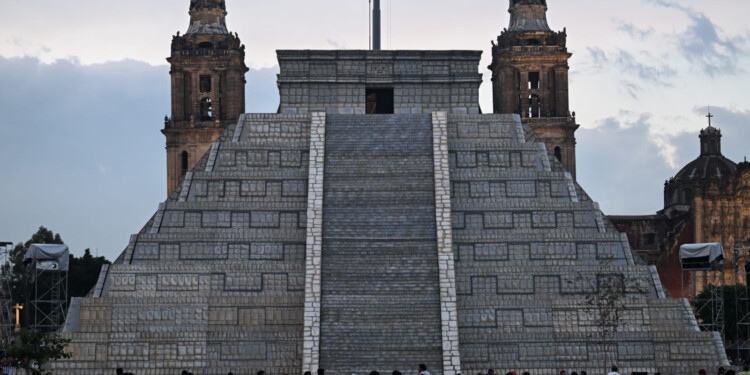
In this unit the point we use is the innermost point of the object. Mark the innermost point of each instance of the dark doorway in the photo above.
(379, 101)
(534, 80)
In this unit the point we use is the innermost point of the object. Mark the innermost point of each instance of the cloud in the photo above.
(598, 57)
(630, 88)
(28, 48)
(84, 154)
(659, 74)
(635, 31)
(261, 92)
(103, 169)
(619, 166)
(702, 44)
(624, 161)
(335, 44)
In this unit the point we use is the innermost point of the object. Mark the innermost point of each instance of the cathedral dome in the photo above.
(706, 167)
(710, 166)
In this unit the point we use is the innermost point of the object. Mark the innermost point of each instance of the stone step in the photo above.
(380, 290)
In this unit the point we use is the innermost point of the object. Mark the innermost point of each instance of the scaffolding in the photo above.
(6, 301)
(47, 267)
(703, 271)
(741, 254)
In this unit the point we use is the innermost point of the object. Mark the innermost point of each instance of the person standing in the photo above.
(423, 369)
(614, 371)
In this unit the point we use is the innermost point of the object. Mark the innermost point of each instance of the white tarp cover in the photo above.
(48, 257)
(704, 253)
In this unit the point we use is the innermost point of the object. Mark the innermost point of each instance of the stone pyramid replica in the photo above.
(323, 237)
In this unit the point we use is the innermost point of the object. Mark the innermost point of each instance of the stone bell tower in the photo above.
(208, 87)
(530, 78)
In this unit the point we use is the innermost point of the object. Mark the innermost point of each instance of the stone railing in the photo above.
(550, 120)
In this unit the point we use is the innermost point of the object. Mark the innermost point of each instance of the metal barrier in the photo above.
(12, 370)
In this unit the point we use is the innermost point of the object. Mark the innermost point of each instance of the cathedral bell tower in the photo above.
(208, 87)
(530, 78)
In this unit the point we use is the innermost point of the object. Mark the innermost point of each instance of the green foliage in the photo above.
(84, 273)
(734, 308)
(32, 350)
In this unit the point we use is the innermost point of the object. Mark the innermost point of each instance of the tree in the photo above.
(608, 303)
(612, 294)
(84, 273)
(32, 350)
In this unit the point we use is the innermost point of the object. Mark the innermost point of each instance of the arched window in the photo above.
(207, 109)
(558, 153)
(184, 162)
(534, 106)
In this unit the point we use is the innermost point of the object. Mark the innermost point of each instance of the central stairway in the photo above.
(380, 290)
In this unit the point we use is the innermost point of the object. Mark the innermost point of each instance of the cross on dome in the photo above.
(709, 116)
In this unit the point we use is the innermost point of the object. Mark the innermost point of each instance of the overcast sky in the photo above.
(84, 88)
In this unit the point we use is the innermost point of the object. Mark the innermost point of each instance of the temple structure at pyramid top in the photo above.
(378, 221)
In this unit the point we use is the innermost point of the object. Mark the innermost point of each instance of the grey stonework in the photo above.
(311, 347)
(220, 285)
(422, 81)
(521, 240)
(450, 239)
(446, 265)
(380, 276)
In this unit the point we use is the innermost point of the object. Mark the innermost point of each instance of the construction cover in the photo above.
(701, 256)
(48, 257)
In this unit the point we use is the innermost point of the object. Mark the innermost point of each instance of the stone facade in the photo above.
(530, 78)
(337, 82)
(218, 280)
(208, 87)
